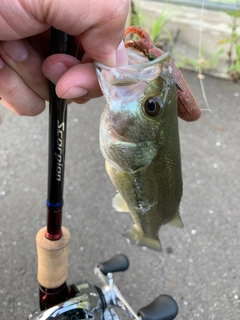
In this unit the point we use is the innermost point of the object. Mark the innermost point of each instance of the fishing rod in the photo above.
(53, 240)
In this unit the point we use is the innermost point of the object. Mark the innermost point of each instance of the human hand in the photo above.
(97, 28)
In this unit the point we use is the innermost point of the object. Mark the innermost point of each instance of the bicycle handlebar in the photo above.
(91, 301)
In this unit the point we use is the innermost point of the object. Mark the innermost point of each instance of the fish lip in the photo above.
(112, 138)
(114, 150)
(113, 135)
(131, 70)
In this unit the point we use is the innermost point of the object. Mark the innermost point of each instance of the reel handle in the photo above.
(117, 263)
(164, 307)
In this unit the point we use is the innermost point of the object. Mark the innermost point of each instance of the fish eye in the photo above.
(152, 106)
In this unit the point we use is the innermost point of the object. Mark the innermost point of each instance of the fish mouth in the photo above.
(137, 70)
(108, 135)
(114, 137)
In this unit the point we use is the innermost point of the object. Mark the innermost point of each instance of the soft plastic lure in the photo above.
(188, 108)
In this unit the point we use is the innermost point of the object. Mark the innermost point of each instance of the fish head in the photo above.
(140, 111)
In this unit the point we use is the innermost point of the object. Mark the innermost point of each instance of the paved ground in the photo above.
(202, 270)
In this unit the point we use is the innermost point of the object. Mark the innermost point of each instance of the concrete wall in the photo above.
(214, 26)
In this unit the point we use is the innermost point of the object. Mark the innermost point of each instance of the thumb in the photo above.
(121, 55)
(99, 25)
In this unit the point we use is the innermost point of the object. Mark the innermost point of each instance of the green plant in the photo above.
(156, 27)
(236, 64)
(234, 45)
(204, 62)
(137, 16)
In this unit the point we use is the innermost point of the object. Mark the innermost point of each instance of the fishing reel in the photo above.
(101, 303)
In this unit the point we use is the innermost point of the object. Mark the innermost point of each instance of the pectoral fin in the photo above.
(137, 237)
(119, 204)
(176, 221)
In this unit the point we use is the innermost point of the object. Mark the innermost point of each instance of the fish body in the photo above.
(140, 141)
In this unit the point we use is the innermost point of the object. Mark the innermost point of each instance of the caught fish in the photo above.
(139, 140)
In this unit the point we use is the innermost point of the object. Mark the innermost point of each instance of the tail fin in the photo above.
(136, 237)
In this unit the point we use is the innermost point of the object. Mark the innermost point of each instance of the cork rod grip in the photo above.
(52, 259)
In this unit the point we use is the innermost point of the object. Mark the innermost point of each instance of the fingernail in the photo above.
(16, 50)
(75, 92)
(121, 55)
(55, 71)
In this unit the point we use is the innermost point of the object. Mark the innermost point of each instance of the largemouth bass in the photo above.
(140, 141)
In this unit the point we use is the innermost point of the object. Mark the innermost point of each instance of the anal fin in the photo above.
(136, 237)
(176, 221)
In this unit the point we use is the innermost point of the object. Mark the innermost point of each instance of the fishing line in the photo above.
(200, 75)
(73, 207)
